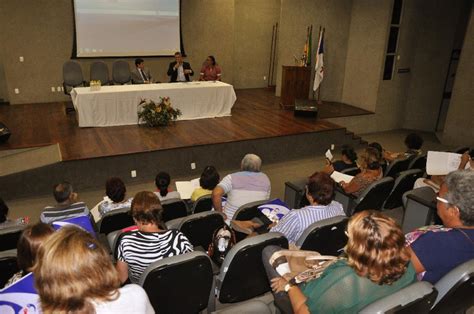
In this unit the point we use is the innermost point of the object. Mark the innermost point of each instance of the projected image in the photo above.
(116, 28)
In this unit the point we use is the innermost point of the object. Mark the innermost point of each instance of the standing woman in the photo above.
(210, 70)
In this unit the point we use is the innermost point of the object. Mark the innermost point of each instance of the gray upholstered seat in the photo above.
(100, 72)
(404, 182)
(325, 236)
(121, 72)
(72, 76)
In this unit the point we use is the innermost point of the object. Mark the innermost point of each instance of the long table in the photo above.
(118, 104)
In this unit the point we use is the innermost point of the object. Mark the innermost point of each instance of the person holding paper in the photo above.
(348, 160)
(141, 75)
(179, 71)
(438, 250)
(207, 182)
(371, 171)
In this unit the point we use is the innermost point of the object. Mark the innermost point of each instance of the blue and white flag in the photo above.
(20, 297)
(274, 210)
(319, 67)
(82, 222)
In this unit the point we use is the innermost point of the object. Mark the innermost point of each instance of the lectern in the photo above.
(294, 85)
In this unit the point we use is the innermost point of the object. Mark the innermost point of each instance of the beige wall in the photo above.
(458, 129)
(335, 16)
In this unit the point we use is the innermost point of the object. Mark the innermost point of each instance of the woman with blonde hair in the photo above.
(74, 274)
(377, 265)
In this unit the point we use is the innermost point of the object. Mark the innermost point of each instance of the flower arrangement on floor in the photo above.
(157, 114)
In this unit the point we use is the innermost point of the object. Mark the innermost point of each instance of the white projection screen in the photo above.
(126, 28)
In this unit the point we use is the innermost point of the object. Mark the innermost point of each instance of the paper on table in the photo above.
(329, 155)
(186, 188)
(442, 163)
(338, 177)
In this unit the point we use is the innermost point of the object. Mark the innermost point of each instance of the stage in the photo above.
(255, 115)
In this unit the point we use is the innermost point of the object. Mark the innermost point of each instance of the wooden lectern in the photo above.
(294, 85)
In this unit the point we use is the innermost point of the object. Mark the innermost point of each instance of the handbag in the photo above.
(300, 266)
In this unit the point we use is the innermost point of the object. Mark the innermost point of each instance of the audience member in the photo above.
(179, 70)
(5, 222)
(210, 70)
(348, 160)
(140, 74)
(377, 265)
(377, 146)
(413, 142)
(74, 274)
(151, 242)
(245, 186)
(207, 182)
(438, 250)
(115, 192)
(162, 183)
(67, 205)
(27, 248)
(320, 194)
(371, 171)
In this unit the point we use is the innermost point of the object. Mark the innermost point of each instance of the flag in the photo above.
(308, 61)
(305, 49)
(319, 67)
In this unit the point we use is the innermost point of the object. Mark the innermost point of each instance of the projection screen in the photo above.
(126, 28)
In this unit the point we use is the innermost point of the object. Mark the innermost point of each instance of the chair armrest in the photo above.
(429, 203)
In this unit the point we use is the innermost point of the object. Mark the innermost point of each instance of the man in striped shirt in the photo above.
(245, 186)
(320, 194)
(67, 205)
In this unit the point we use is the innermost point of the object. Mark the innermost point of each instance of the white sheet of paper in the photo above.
(338, 177)
(186, 188)
(442, 163)
(329, 155)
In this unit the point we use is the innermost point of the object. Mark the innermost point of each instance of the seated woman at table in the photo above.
(210, 70)
(207, 182)
(371, 171)
(377, 264)
(162, 183)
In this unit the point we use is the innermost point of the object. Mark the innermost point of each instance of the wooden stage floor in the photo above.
(255, 115)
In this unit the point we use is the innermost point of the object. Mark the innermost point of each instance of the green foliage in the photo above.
(154, 114)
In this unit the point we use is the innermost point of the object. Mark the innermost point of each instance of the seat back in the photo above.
(416, 298)
(9, 237)
(202, 204)
(419, 210)
(327, 236)
(248, 307)
(72, 76)
(179, 284)
(174, 208)
(8, 266)
(397, 166)
(461, 149)
(456, 290)
(295, 192)
(404, 182)
(116, 219)
(121, 72)
(249, 211)
(99, 72)
(242, 274)
(199, 228)
(374, 196)
(351, 171)
(419, 162)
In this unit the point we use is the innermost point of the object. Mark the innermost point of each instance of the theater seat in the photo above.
(397, 166)
(116, 219)
(373, 197)
(351, 171)
(202, 204)
(327, 236)
(420, 209)
(174, 208)
(416, 298)
(179, 284)
(242, 276)
(456, 290)
(9, 237)
(8, 266)
(198, 228)
(404, 182)
(295, 192)
(419, 162)
(248, 212)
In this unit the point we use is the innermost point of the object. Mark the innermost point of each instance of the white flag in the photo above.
(319, 68)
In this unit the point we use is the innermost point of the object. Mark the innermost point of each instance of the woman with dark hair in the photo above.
(28, 244)
(151, 242)
(115, 192)
(348, 160)
(371, 172)
(377, 265)
(207, 182)
(210, 70)
(162, 183)
(74, 274)
(413, 143)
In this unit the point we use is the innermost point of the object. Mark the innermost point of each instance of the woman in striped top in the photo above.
(151, 242)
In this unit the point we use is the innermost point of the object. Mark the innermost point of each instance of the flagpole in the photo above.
(320, 84)
(317, 48)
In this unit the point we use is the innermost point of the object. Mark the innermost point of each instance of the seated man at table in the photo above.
(141, 75)
(179, 70)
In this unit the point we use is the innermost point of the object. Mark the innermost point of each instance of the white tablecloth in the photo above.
(117, 105)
